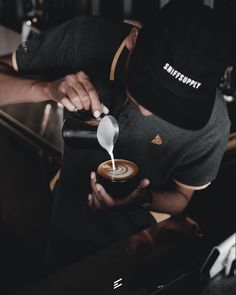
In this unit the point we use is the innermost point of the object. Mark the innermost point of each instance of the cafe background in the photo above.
(31, 140)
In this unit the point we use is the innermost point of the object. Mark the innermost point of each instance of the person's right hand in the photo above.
(76, 92)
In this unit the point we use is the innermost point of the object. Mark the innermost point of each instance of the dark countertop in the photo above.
(164, 259)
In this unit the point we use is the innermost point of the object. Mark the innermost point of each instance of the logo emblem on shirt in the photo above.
(157, 140)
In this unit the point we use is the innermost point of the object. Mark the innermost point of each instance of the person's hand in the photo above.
(100, 199)
(76, 92)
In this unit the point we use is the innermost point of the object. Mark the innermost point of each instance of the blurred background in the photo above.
(31, 141)
(21, 20)
(52, 12)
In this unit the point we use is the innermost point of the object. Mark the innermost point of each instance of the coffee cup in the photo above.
(120, 182)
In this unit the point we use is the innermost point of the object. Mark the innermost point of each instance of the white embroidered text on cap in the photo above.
(181, 77)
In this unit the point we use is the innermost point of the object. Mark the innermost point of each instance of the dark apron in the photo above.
(77, 230)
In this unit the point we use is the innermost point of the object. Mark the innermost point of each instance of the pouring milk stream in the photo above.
(107, 134)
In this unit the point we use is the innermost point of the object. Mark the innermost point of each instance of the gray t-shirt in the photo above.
(164, 151)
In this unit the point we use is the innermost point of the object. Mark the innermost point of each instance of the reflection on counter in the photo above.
(43, 119)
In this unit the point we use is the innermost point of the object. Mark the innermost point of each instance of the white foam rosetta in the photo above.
(121, 171)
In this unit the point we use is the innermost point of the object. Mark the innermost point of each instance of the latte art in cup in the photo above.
(124, 171)
(120, 182)
(121, 171)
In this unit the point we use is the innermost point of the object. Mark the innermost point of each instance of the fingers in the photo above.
(144, 183)
(96, 106)
(84, 94)
(93, 181)
(68, 104)
(139, 189)
(105, 198)
(90, 200)
(94, 187)
(99, 198)
(93, 176)
(91, 94)
(76, 92)
(138, 193)
(94, 199)
(75, 99)
(93, 202)
(96, 204)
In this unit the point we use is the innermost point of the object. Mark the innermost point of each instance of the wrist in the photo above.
(41, 91)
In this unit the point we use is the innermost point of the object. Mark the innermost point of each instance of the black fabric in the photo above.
(177, 63)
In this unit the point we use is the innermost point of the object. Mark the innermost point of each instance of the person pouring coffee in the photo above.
(161, 83)
(173, 110)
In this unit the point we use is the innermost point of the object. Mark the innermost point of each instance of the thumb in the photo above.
(144, 183)
(137, 193)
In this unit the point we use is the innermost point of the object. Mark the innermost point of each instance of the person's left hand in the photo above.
(100, 199)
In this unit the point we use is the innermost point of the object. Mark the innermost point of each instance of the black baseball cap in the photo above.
(177, 63)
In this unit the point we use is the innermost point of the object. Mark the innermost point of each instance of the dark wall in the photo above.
(227, 8)
(53, 12)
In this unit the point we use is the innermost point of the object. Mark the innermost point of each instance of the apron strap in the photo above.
(115, 59)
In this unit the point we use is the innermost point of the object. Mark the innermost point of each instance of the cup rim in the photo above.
(119, 180)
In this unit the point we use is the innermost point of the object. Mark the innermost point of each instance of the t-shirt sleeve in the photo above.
(82, 43)
(201, 164)
(53, 50)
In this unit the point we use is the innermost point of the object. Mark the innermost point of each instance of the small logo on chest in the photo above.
(157, 140)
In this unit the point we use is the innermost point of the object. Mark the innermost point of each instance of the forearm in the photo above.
(170, 202)
(16, 89)
(73, 91)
